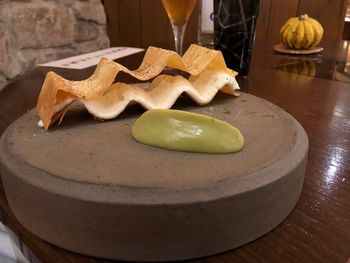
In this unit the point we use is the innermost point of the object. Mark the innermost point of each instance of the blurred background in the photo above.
(38, 31)
(150, 26)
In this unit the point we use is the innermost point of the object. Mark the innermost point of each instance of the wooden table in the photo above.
(318, 230)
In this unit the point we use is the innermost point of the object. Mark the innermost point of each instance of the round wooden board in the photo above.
(89, 187)
(281, 49)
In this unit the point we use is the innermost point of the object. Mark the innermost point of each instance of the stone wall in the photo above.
(38, 31)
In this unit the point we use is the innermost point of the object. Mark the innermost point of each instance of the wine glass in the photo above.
(178, 12)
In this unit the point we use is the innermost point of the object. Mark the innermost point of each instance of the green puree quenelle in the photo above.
(186, 131)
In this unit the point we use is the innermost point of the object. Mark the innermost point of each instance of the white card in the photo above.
(91, 59)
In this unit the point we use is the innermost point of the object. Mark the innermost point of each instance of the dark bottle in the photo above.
(234, 31)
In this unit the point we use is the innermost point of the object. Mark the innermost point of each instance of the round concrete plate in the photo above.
(90, 187)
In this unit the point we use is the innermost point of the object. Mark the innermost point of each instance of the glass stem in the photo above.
(179, 32)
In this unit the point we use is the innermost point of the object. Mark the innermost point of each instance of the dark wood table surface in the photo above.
(318, 229)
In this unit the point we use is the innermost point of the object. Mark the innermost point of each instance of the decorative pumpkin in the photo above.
(301, 32)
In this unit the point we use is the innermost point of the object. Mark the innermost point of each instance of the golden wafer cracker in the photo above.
(58, 93)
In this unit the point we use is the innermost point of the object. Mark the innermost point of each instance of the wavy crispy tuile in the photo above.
(57, 93)
(162, 93)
